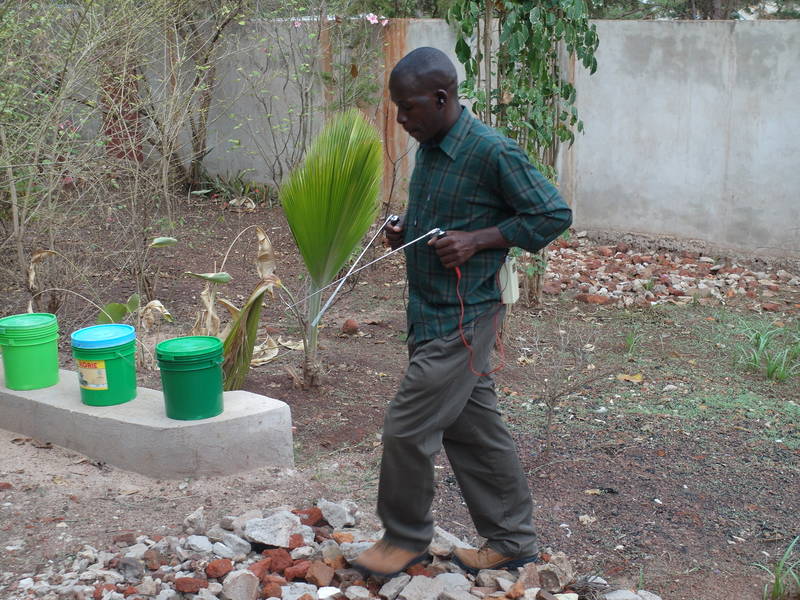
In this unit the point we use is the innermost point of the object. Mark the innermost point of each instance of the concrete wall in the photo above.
(692, 130)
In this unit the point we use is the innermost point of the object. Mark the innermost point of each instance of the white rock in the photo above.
(421, 588)
(489, 577)
(168, 594)
(198, 543)
(276, 529)
(327, 592)
(394, 586)
(221, 550)
(453, 581)
(568, 596)
(356, 592)
(505, 584)
(195, 522)
(25, 584)
(622, 595)
(531, 593)
(303, 553)
(456, 595)
(294, 590)
(330, 550)
(183, 554)
(351, 550)
(215, 533)
(238, 546)
(105, 575)
(784, 275)
(669, 388)
(443, 542)
(556, 573)
(645, 595)
(136, 551)
(341, 514)
(240, 585)
(239, 522)
(205, 594)
(148, 587)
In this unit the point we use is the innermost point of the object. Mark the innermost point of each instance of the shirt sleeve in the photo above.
(541, 215)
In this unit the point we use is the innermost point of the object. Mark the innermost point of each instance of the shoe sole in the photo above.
(365, 571)
(513, 563)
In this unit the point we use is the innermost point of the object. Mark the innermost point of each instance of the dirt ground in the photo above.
(667, 465)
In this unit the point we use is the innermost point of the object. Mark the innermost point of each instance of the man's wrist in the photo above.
(489, 238)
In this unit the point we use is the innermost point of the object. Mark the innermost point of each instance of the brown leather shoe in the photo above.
(387, 560)
(472, 560)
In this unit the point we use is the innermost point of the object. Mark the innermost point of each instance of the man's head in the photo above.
(424, 87)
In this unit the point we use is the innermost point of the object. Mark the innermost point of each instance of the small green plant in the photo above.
(116, 312)
(648, 284)
(233, 187)
(770, 350)
(330, 201)
(784, 575)
(632, 339)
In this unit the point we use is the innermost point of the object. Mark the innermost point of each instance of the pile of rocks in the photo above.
(290, 555)
(619, 275)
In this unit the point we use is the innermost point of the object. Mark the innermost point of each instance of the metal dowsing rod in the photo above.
(433, 232)
(393, 218)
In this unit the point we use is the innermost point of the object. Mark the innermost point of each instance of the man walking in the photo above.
(479, 187)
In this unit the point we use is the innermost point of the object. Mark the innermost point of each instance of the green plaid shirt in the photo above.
(475, 178)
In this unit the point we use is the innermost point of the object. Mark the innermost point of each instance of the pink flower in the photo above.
(384, 22)
(296, 24)
(372, 18)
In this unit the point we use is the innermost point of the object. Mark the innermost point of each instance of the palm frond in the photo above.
(331, 200)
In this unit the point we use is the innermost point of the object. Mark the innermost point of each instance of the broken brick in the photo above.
(271, 590)
(297, 570)
(261, 568)
(190, 585)
(319, 574)
(280, 559)
(310, 516)
(221, 567)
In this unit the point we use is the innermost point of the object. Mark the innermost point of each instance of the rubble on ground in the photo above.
(621, 276)
(290, 555)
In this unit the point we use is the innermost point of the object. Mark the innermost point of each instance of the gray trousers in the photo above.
(441, 402)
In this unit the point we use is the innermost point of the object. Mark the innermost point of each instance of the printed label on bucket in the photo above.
(92, 374)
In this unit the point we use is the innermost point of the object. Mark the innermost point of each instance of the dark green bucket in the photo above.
(191, 376)
(106, 358)
(30, 350)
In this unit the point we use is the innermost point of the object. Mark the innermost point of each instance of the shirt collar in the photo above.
(453, 138)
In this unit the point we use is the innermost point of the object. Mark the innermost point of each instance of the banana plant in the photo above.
(330, 201)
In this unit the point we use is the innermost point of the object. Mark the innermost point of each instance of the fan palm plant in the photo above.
(330, 201)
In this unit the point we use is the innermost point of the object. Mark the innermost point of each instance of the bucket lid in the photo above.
(189, 347)
(28, 323)
(103, 336)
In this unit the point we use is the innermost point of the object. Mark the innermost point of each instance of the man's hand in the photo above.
(395, 233)
(455, 248)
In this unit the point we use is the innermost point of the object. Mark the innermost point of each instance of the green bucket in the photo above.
(191, 376)
(30, 350)
(106, 358)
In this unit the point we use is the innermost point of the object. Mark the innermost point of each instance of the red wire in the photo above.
(501, 348)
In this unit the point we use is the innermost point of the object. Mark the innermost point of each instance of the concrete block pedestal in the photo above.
(253, 431)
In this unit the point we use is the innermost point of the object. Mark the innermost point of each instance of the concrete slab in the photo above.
(253, 431)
